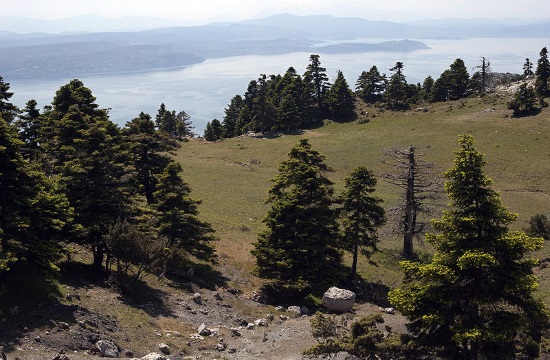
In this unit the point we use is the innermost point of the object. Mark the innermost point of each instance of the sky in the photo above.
(202, 10)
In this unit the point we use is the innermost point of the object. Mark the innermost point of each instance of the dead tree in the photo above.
(482, 76)
(421, 186)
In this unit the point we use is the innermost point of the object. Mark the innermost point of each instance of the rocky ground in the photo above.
(196, 324)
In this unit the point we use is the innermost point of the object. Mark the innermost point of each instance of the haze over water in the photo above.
(204, 90)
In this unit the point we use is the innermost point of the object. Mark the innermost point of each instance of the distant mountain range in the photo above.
(43, 55)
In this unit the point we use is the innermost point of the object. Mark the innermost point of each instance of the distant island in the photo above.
(62, 55)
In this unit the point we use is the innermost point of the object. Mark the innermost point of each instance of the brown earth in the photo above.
(160, 311)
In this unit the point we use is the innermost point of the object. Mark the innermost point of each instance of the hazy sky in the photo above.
(196, 10)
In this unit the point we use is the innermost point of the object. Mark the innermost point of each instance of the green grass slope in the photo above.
(232, 176)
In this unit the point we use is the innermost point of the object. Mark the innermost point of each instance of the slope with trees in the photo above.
(475, 299)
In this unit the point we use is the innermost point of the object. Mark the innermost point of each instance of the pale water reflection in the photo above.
(204, 90)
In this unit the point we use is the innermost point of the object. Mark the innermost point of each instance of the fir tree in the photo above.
(362, 215)
(475, 298)
(300, 244)
(178, 217)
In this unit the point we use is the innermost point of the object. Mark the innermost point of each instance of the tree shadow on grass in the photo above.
(29, 300)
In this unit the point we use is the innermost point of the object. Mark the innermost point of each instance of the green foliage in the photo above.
(542, 73)
(339, 99)
(129, 245)
(301, 223)
(476, 296)
(457, 80)
(28, 126)
(213, 130)
(528, 68)
(150, 152)
(371, 85)
(524, 100)
(396, 92)
(34, 215)
(364, 340)
(539, 226)
(8, 111)
(361, 214)
(178, 125)
(178, 217)
(323, 326)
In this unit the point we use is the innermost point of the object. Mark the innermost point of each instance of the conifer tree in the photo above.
(8, 111)
(28, 125)
(371, 85)
(396, 93)
(361, 214)
(178, 217)
(300, 244)
(475, 298)
(524, 100)
(542, 73)
(316, 75)
(339, 99)
(150, 152)
(458, 80)
(528, 68)
(34, 214)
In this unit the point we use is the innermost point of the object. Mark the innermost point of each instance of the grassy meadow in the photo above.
(232, 177)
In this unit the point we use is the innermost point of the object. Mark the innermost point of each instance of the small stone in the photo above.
(296, 310)
(232, 351)
(280, 308)
(197, 298)
(304, 310)
(62, 326)
(283, 317)
(218, 296)
(196, 337)
(221, 347)
(107, 348)
(389, 310)
(165, 349)
(203, 330)
(37, 338)
(128, 353)
(260, 322)
(235, 331)
(270, 317)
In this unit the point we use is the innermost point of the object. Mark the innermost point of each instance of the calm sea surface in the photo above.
(205, 89)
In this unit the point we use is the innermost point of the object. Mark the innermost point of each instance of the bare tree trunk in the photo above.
(410, 217)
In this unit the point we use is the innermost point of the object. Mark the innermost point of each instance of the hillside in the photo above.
(232, 178)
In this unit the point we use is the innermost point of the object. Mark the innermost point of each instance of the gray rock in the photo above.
(296, 310)
(336, 299)
(165, 349)
(389, 310)
(280, 308)
(260, 322)
(235, 331)
(218, 296)
(154, 356)
(250, 326)
(221, 346)
(107, 348)
(204, 330)
(304, 310)
(197, 298)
